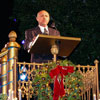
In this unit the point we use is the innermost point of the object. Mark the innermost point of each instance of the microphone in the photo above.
(53, 25)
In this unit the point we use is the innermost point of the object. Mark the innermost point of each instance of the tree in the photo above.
(75, 18)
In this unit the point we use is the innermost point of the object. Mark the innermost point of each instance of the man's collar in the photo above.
(42, 28)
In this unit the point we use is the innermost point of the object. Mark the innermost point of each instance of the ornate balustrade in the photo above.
(89, 79)
(9, 56)
(10, 68)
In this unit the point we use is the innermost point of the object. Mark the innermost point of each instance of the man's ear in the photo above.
(37, 18)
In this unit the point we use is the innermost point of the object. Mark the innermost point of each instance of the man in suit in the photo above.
(43, 19)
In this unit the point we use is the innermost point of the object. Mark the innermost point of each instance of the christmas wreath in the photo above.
(55, 81)
(3, 96)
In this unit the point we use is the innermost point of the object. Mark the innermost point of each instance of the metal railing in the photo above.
(9, 56)
(9, 65)
(89, 74)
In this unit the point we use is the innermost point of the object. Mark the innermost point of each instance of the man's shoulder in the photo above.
(51, 28)
(54, 31)
(32, 29)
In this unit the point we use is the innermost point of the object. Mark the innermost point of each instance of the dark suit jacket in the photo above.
(30, 34)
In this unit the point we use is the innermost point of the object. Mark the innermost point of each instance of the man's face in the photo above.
(43, 18)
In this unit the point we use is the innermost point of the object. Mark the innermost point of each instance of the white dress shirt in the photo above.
(42, 28)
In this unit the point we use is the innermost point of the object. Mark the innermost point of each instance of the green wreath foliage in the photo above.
(3, 96)
(42, 82)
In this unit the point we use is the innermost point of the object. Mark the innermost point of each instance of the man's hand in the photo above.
(33, 39)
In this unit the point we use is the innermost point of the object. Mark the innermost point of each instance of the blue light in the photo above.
(23, 77)
(23, 41)
(23, 68)
(15, 20)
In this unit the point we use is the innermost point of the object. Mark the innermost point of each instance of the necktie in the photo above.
(45, 31)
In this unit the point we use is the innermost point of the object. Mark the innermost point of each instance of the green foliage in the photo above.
(42, 81)
(74, 86)
(41, 84)
(3, 97)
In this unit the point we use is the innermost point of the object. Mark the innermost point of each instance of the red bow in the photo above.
(58, 84)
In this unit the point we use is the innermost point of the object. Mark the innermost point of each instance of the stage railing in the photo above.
(9, 56)
(90, 91)
(90, 81)
(9, 65)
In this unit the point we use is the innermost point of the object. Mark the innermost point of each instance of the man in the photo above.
(43, 19)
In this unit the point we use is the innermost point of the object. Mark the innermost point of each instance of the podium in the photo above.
(57, 45)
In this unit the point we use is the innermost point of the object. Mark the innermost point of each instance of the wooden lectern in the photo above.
(57, 45)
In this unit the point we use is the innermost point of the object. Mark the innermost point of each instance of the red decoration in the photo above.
(58, 85)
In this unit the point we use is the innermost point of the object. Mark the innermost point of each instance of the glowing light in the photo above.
(14, 20)
(23, 77)
(23, 41)
(23, 68)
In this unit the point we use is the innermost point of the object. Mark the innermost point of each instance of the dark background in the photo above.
(6, 11)
(7, 25)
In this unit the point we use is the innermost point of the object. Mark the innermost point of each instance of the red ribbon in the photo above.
(59, 86)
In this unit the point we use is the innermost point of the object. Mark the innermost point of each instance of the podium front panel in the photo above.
(44, 43)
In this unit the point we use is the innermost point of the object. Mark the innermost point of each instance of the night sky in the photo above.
(6, 10)
(6, 27)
